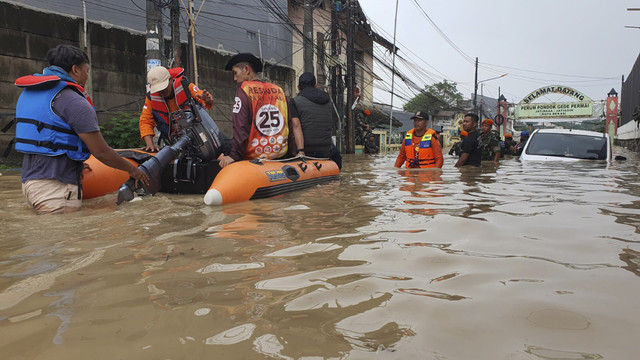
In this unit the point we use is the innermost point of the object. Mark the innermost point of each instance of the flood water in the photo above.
(521, 261)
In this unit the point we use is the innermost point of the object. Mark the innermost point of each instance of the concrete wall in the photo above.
(225, 25)
(118, 71)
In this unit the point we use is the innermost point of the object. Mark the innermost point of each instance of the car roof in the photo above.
(571, 131)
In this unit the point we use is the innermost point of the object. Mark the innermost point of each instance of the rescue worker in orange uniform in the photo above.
(421, 147)
(260, 114)
(166, 95)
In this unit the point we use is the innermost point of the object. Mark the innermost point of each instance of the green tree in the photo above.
(122, 131)
(441, 96)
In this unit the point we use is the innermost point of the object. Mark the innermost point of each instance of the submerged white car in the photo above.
(566, 145)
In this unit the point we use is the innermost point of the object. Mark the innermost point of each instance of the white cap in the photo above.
(158, 79)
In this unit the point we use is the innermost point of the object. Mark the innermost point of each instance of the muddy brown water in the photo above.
(520, 261)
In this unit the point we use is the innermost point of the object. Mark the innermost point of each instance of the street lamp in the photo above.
(475, 91)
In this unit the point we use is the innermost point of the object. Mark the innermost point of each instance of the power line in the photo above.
(444, 36)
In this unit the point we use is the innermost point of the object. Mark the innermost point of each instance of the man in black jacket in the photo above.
(311, 110)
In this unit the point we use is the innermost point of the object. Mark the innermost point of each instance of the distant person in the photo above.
(457, 147)
(311, 113)
(363, 133)
(524, 137)
(57, 130)
(471, 151)
(489, 142)
(166, 95)
(260, 114)
(509, 145)
(421, 147)
(371, 145)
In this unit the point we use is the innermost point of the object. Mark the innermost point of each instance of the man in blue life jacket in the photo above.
(311, 113)
(57, 129)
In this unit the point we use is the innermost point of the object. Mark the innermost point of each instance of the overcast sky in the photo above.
(578, 43)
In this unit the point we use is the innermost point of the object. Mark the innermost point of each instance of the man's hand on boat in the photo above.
(225, 160)
(149, 145)
(139, 175)
(206, 97)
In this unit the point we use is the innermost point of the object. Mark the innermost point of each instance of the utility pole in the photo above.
(193, 65)
(351, 70)
(320, 61)
(337, 85)
(307, 30)
(86, 48)
(475, 91)
(155, 44)
(393, 77)
(175, 33)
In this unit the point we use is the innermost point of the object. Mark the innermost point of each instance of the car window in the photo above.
(568, 145)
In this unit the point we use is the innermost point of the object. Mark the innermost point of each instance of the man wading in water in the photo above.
(471, 151)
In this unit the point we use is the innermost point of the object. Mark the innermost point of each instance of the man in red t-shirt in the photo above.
(260, 114)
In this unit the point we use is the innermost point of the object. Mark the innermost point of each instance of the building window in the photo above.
(251, 35)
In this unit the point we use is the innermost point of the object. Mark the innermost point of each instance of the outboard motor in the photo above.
(206, 139)
(153, 168)
(199, 137)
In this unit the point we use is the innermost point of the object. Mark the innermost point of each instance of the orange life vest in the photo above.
(160, 107)
(269, 128)
(420, 155)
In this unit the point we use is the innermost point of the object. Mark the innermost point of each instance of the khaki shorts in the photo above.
(50, 196)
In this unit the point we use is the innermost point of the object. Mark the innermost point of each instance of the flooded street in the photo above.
(520, 261)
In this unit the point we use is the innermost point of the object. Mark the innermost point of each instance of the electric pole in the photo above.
(351, 70)
(192, 69)
(175, 33)
(154, 36)
(337, 85)
(475, 91)
(307, 41)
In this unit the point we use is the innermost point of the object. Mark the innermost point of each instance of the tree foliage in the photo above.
(122, 131)
(441, 96)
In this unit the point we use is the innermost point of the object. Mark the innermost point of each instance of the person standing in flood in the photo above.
(489, 142)
(421, 148)
(471, 151)
(57, 129)
(311, 114)
(509, 145)
(260, 114)
(457, 147)
(524, 137)
(371, 145)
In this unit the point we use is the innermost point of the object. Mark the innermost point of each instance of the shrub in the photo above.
(122, 131)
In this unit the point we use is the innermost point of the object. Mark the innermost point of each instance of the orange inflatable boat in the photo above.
(190, 166)
(239, 181)
(245, 180)
(99, 179)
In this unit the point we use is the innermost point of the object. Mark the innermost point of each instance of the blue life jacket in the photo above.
(39, 130)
